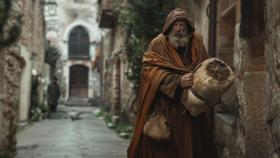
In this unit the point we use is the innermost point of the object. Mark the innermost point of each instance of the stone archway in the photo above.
(78, 87)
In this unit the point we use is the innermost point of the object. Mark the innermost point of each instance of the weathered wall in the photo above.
(244, 133)
(197, 12)
(273, 77)
(116, 89)
(11, 67)
(107, 68)
(32, 50)
(202, 21)
(38, 34)
(10, 103)
(2, 97)
(14, 59)
(125, 86)
(25, 85)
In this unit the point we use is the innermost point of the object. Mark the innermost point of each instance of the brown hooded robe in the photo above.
(159, 88)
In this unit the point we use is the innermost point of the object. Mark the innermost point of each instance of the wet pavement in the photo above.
(83, 136)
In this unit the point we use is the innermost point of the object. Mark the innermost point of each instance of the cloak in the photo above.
(159, 62)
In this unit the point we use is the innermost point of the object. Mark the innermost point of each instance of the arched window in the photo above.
(79, 43)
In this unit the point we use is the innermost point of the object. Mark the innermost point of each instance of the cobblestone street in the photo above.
(83, 137)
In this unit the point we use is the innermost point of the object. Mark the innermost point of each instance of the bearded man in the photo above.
(166, 72)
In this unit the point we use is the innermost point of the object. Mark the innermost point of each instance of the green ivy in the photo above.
(142, 20)
(11, 35)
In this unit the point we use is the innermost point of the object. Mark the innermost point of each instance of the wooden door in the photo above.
(79, 81)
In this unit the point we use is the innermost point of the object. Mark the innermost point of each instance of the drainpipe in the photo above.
(211, 12)
(212, 15)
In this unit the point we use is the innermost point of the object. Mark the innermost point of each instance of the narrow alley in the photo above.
(114, 78)
(85, 136)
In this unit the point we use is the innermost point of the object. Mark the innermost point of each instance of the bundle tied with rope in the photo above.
(211, 79)
(156, 126)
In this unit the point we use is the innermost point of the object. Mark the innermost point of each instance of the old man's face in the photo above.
(179, 36)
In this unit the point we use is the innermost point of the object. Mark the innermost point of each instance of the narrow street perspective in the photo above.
(139, 79)
(71, 133)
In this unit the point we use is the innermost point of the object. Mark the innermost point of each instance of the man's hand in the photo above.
(186, 80)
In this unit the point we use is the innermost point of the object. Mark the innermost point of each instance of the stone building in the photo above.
(76, 35)
(116, 90)
(17, 60)
(32, 49)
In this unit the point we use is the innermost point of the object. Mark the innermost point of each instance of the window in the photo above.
(79, 43)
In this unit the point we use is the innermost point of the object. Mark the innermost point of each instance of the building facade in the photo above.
(116, 91)
(76, 36)
(20, 53)
(32, 49)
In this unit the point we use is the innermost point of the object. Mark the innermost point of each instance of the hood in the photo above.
(177, 14)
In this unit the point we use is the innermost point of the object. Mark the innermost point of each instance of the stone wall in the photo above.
(242, 132)
(116, 89)
(107, 68)
(10, 104)
(13, 61)
(38, 45)
(26, 34)
(273, 77)
(197, 12)
(38, 34)
(202, 21)
(32, 50)
(11, 64)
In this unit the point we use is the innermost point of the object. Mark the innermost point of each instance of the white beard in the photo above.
(179, 39)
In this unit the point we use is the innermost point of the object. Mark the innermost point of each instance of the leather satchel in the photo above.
(157, 127)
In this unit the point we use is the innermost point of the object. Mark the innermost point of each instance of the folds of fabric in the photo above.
(159, 61)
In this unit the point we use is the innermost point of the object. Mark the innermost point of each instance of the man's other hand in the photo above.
(186, 80)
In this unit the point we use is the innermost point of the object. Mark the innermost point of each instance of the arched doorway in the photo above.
(78, 86)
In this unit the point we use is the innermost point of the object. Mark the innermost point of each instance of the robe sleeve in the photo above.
(170, 86)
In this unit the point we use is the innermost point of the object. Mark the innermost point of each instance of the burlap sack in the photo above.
(157, 127)
(210, 80)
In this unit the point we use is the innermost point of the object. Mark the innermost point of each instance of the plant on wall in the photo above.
(142, 20)
(9, 36)
(51, 54)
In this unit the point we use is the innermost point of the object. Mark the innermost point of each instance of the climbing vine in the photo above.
(142, 20)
